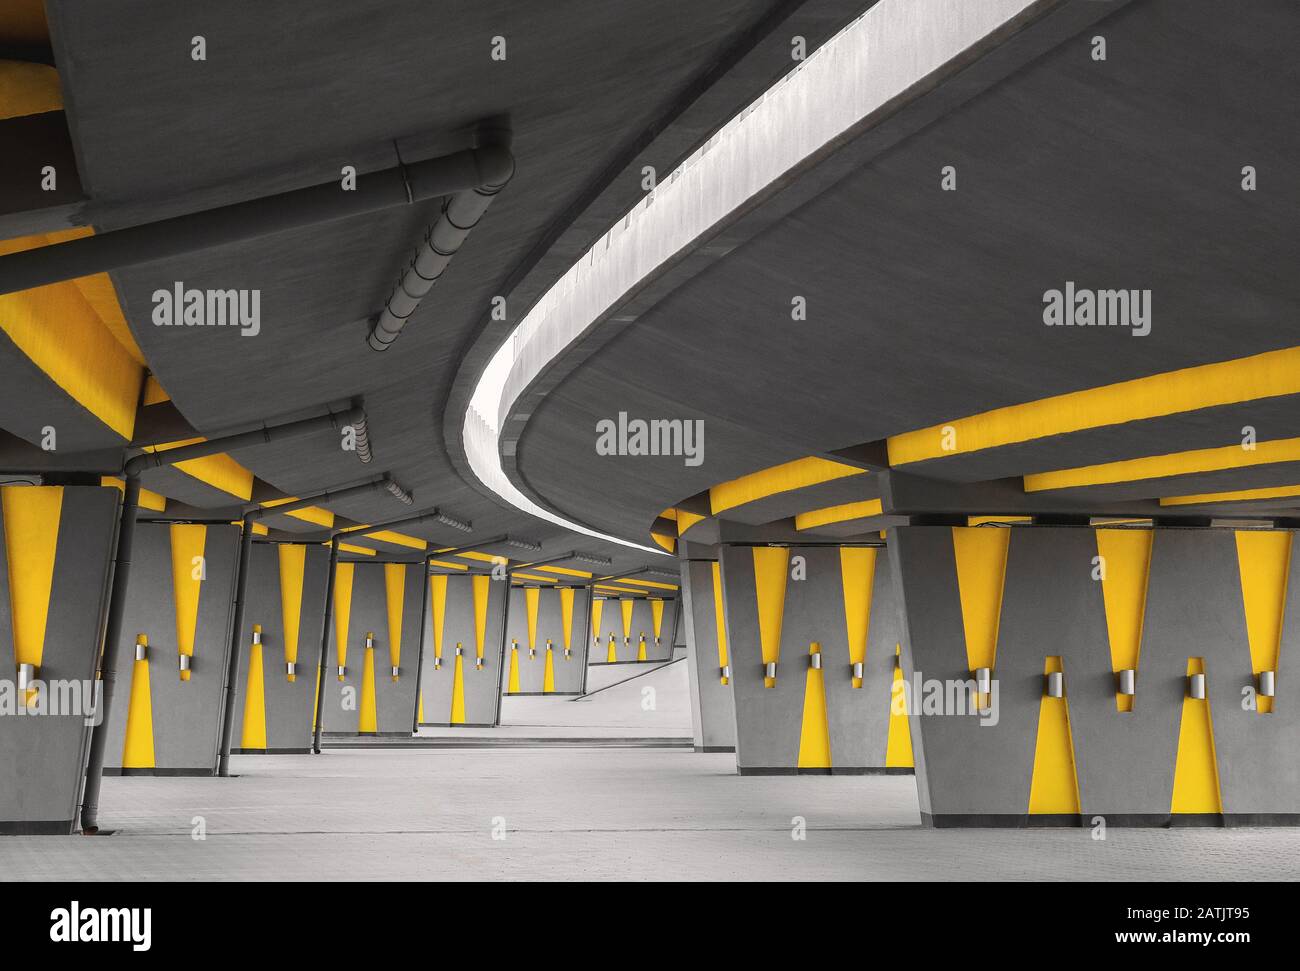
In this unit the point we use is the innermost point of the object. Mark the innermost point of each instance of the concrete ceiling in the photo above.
(926, 306)
(291, 92)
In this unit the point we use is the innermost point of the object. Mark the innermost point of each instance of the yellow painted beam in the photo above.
(787, 477)
(1268, 375)
(1162, 466)
(837, 514)
(1240, 495)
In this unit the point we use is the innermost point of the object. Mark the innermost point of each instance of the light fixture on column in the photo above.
(184, 660)
(459, 649)
(857, 670)
(26, 676)
(141, 647)
(1196, 686)
(478, 663)
(1128, 681)
(397, 672)
(370, 640)
(1267, 684)
(1055, 685)
(343, 673)
(983, 680)
(769, 670)
(291, 669)
(257, 634)
(724, 673)
(815, 660)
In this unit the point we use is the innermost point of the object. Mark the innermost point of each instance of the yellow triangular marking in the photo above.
(720, 618)
(395, 589)
(566, 616)
(1264, 559)
(898, 749)
(458, 693)
(981, 555)
(368, 711)
(815, 737)
(1196, 773)
(342, 609)
(1054, 788)
(1126, 554)
(438, 596)
(770, 572)
(293, 563)
(31, 522)
(482, 587)
(857, 572)
(187, 579)
(137, 747)
(254, 733)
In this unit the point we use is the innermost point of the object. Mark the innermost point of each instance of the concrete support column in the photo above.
(713, 713)
(55, 560)
(1196, 615)
(544, 622)
(462, 644)
(812, 637)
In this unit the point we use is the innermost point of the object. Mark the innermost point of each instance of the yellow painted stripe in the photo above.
(857, 574)
(368, 710)
(898, 748)
(685, 520)
(137, 746)
(342, 609)
(611, 654)
(532, 595)
(154, 393)
(395, 590)
(188, 567)
(512, 682)
(61, 332)
(798, 474)
(1054, 787)
(981, 555)
(1240, 495)
(627, 606)
(1196, 770)
(771, 566)
(293, 564)
(309, 514)
(815, 733)
(657, 617)
(562, 570)
(566, 616)
(350, 548)
(31, 523)
(667, 542)
(1208, 386)
(482, 589)
(635, 582)
(1160, 466)
(720, 619)
(398, 539)
(597, 607)
(1264, 560)
(458, 692)
(27, 88)
(448, 565)
(837, 514)
(548, 674)
(219, 471)
(253, 735)
(1126, 556)
(148, 500)
(438, 599)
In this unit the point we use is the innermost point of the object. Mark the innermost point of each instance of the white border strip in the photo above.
(874, 59)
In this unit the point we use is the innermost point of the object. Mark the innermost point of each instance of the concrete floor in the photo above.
(625, 814)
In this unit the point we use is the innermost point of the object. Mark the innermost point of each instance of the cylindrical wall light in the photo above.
(725, 671)
(984, 680)
(291, 668)
(459, 649)
(396, 672)
(1196, 686)
(343, 673)
(1056, 685)
(370, 640)
(815, 660)
(257, 635)
(857, 670)
(141, 647)
(184, 662)
(1267, 683)
(769, 670)
(26, 675)
(1128, 681)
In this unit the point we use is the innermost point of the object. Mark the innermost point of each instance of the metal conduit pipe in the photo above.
(401, 185)
(229, 687)
(461, 212)
(131, 471)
